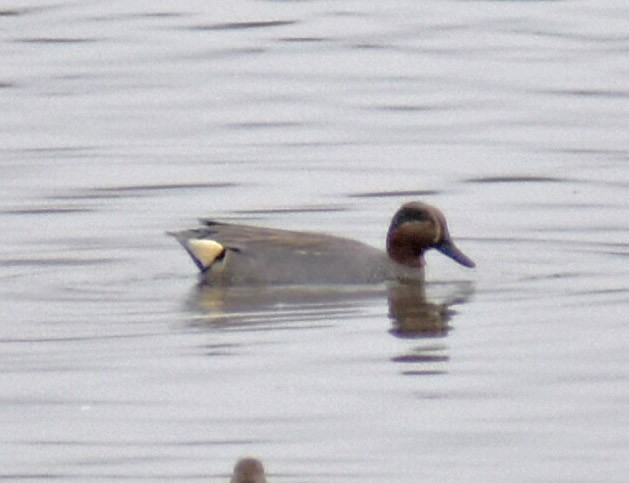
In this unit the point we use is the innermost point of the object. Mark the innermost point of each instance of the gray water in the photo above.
(122, 120)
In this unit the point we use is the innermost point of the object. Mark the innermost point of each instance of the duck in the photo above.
(248, 470)
(229, 254)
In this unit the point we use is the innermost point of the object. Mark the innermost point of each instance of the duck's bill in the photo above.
(449, 249)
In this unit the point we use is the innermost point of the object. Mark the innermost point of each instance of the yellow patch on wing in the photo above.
(205, 251)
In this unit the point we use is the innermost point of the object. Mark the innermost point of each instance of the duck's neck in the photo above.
(407, 243)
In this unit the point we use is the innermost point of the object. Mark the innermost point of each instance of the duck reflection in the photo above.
(273, 307)
(418, 311)
(413, 315)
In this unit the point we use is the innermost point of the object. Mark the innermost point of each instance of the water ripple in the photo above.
(244, 25)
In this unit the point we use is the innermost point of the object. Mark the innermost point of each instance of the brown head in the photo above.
(417, 227)
(248, 470)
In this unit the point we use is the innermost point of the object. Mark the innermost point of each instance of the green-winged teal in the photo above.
(230, 254)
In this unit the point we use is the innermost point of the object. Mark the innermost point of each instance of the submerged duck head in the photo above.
(417, 227)
(248, 470)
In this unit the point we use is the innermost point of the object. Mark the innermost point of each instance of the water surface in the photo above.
(123, 121)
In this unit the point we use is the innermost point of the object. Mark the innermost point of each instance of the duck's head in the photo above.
(417, 227)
